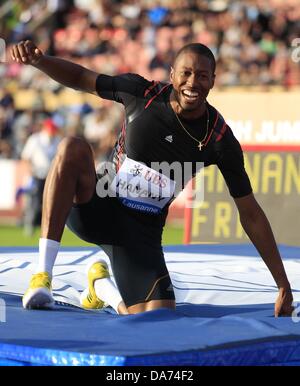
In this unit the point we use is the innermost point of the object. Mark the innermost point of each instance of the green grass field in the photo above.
(14, 237)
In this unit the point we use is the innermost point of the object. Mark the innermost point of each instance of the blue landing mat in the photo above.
(191, 335)
(194, 334)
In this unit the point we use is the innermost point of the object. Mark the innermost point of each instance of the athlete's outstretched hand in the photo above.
(284, 303)
(26, 52)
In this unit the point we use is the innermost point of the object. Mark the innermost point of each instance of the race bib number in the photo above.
(142, 188)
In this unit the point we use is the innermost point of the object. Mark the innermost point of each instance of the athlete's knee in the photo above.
(152, 306)
(73, 150)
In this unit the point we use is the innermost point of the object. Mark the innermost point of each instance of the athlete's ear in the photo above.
(172, 74)
(213, 81)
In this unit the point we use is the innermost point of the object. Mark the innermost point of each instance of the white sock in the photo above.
(48, 250)
(108, 292)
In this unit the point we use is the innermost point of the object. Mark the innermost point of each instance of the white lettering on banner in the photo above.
(242, 130)
(276, 132)
(270, 132)
(142, 188)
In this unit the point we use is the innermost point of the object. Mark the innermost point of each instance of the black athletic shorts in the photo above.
(133, 243)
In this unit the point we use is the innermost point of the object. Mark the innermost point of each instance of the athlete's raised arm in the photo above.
(62, 71)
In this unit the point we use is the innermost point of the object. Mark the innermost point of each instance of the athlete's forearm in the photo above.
(62, 71)
(260, 233)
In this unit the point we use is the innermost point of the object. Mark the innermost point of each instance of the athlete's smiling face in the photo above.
(192, 78)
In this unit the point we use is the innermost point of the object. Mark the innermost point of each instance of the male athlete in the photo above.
(164, 123)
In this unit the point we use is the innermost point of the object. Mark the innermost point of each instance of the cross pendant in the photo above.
(200, 146)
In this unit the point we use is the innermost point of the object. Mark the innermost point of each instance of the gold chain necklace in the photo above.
(201, 142)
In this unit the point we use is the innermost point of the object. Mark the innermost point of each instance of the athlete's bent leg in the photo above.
(142, 277)
(71, 179)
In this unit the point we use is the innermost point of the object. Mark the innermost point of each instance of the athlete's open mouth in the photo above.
(190, 96)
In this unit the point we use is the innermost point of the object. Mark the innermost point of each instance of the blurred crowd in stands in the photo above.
(252, 41)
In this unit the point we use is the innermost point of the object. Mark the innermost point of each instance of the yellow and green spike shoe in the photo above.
(95, 271)
(39, 293)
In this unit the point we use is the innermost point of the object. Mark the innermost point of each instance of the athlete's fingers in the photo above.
(33, 52)
(16, 53)
(12, 54)
(29, 48)
(37, 54)
(26, 52)
(22, 52)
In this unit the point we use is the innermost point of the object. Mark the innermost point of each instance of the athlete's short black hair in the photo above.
(199, 49)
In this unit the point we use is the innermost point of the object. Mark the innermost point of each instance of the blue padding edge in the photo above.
(276, 353)
(287, 252)
(47, 357)
(7, 362)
